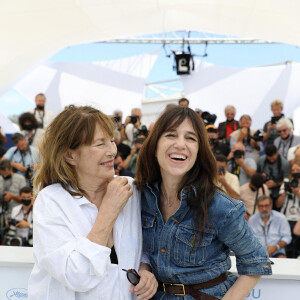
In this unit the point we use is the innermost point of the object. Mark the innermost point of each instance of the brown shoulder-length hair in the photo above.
(203, 175)
(73, 127)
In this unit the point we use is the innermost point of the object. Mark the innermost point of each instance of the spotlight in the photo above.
(184, 63)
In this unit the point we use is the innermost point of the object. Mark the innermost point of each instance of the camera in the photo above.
(288, 184)
(12, 239)
(238, 153)
(208, 119)
(257, 136)
(29, 173)
(117, 119)
(274, 120)
(221, 170)
(134, 119)
(142, 130)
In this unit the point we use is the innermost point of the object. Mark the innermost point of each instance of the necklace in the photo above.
(166, 198)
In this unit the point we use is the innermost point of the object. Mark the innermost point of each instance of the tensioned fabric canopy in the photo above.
(33, 30)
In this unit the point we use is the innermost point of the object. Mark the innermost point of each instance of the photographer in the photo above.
(23, 157)
(287, 139)
(237, 164)
(216, 146)
(228, 182)
(130, 129)
(118, 117)
(30, 129)
(229, 126)
(22, 216)
(250, 192)
(249, 137)
(274, 168)
(270, 131)
(289, 197)
(10, 186)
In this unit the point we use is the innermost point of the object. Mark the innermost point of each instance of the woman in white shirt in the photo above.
(87, 224)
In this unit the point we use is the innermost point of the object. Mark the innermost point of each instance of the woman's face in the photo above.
(245, 123)
(177, 150)
(95, 162)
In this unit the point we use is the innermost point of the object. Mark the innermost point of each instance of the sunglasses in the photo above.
(282, 130)
(132, 276)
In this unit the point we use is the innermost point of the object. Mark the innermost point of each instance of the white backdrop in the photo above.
(250, 90)
(32, 31)
(108, 85)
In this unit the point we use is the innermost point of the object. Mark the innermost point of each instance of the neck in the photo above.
(95, 191)
(170, 187)
(265, 220)
(26, 208)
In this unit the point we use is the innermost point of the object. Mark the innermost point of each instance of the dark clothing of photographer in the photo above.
(273, 133)
(226, 128)
(275, 170)
(219, 148)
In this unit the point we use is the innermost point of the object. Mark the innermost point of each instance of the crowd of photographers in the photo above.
(259, 167)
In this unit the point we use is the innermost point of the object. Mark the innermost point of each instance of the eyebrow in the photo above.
(189, 132)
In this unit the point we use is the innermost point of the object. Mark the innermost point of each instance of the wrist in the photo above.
(278, 247)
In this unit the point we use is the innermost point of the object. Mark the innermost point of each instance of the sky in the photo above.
(230, 55)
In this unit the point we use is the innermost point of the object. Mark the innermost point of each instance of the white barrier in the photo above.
(16, 264)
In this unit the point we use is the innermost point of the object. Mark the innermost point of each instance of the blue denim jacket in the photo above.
(174, 250)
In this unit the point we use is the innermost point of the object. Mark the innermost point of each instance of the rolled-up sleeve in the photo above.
(251, 255)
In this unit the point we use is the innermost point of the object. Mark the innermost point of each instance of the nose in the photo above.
(112, 150)
(180, 142)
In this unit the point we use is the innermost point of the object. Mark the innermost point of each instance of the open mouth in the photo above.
(178, 157)
(107, 163)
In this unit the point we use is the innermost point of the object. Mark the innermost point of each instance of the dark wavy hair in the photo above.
(28, 117)
(203, 175)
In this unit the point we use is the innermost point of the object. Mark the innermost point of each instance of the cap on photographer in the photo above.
(239, 165)
(228, 182)
(274, 168)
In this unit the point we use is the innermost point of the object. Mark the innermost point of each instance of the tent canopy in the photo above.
(32, 30)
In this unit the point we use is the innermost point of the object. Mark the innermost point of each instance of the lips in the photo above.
(179, 157)
(109, 163)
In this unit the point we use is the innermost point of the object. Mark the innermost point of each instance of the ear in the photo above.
(71, 157)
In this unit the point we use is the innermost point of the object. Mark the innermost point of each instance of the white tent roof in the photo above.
(33, 30)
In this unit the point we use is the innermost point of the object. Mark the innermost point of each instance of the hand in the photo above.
(132, 151)
(244, 132)
(296, 191)
(20, 167)
(147, 286)
(23, 224)
(239, 161)
(271, 249)
(221, 178)
(117, 193)
(127, 121)
(271, 183)
(8, 196)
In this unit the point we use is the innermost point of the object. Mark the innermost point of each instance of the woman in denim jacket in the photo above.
(189, 225)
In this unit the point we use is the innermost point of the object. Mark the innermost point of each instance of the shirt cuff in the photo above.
(97, 255)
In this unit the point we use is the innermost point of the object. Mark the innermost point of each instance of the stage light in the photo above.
(184, 63)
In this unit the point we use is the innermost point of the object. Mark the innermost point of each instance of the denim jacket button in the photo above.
(163, 250)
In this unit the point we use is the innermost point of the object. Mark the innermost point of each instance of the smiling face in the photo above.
(95, 162)
(284, 132)
(230, 114)
(177, 150)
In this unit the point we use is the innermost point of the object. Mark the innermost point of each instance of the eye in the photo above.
(191, 138)
(99, 145)
(170, 134)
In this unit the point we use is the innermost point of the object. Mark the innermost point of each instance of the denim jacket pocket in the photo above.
(148, 224)
(187, 251)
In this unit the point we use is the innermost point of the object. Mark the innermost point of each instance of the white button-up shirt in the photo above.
(69, 266)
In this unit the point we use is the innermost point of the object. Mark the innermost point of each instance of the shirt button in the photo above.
(163, 250)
